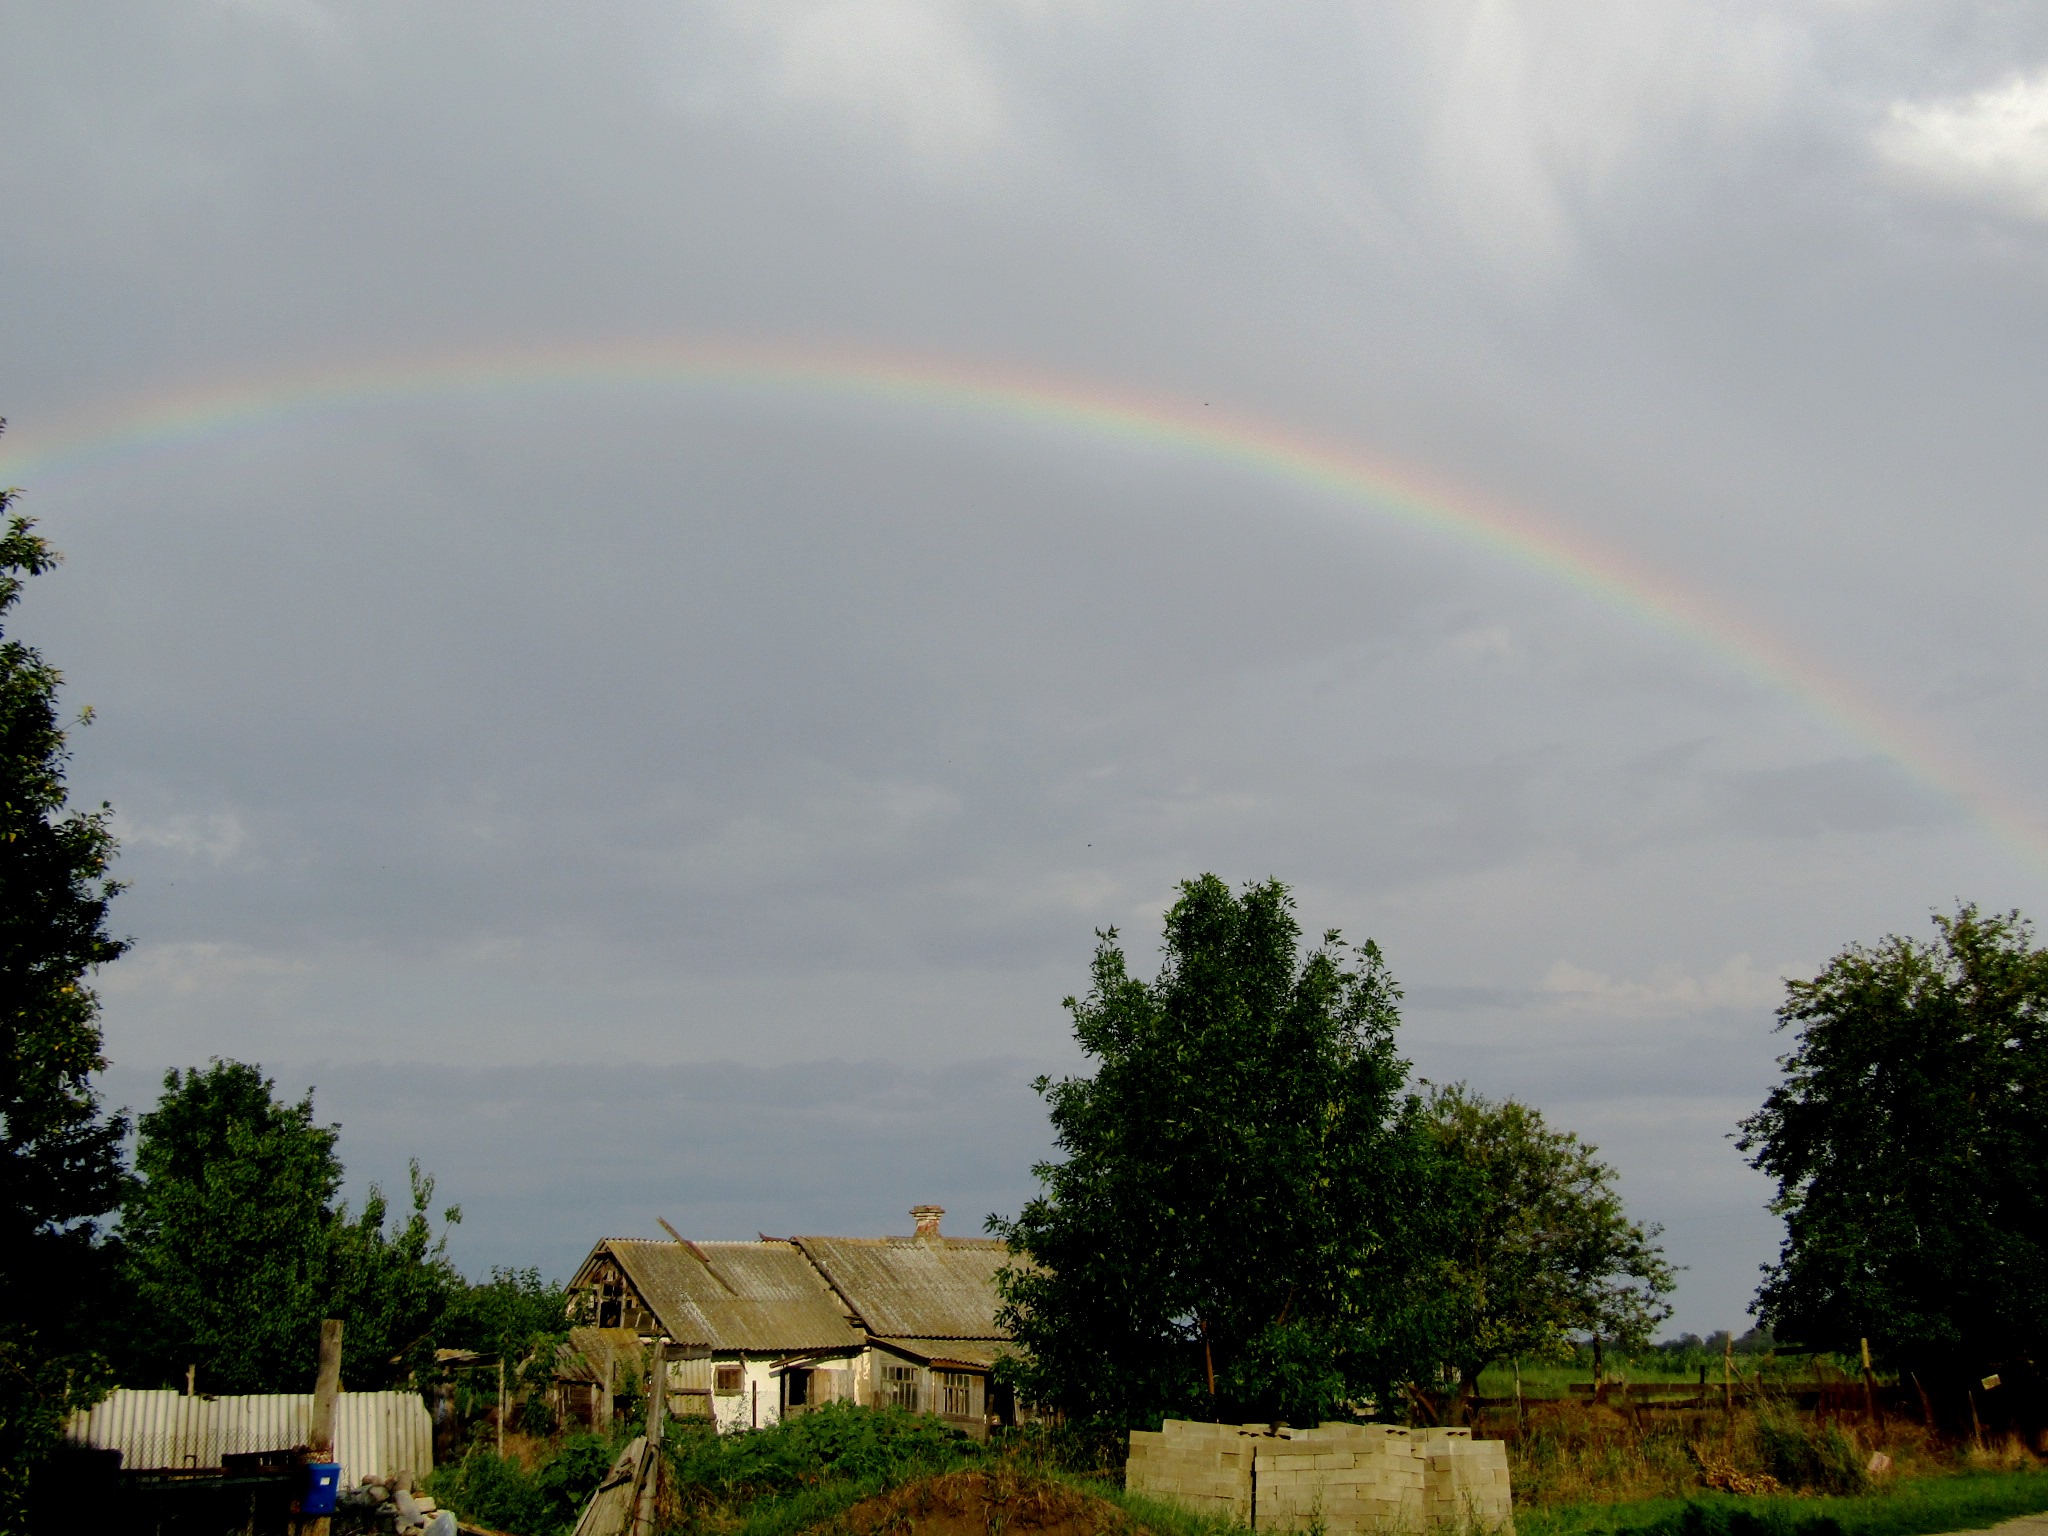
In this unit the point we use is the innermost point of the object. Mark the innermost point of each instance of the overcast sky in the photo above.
(649, 802)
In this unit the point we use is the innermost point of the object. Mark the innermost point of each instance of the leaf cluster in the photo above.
(1224, 1232)
(237, 1244)
(60, 1164)
(1910, 1150)
(836, 1442)
(1254, 1218)
(499, 1493)
(1534, 1244)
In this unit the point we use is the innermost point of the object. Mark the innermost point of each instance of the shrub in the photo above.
(497, 1491)
(837, 1442)
(1817, 1456)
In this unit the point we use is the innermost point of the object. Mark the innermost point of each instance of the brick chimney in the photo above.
(927, 1219)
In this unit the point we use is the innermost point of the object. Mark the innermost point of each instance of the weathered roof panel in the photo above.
(374, 1432)
(755, 1297)
(978, 1354)
(915, 1287)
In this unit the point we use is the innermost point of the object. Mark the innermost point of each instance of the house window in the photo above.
(729, 1379)
(796, 1386)
(955, 1391)
(899, 1387)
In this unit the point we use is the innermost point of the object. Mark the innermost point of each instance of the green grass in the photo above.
(809, 1508)
(1552, 1378)
(1963, 1502)
(1163, 1518)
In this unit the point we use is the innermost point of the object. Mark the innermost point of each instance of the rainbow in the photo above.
(212, 417)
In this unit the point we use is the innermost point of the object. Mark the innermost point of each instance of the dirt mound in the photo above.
(986, 1504)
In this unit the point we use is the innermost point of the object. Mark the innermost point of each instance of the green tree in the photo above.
(1910, 1150)
(60, 1164)
(1224, 1234)
(506, 1314)
(228, 1232)
(520, 1318)
(238, 1247)
(390, 1287)
(1535, 1244)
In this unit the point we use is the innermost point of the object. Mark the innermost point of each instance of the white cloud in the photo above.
(1990, 146)
(1738, 983)
(195, 970)
(917, 70)
(1542, 113)
(215, 837)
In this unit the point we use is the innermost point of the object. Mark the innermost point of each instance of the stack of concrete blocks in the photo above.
(1335, 1479)
(1464, 1481)
(1203, 1467)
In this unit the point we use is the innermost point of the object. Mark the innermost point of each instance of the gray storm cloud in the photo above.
(565, 753)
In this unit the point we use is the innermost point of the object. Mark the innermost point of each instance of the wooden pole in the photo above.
(326, 1387)
(1208, 1361)
(1926, 1403)
(501, 1407)
(651, 1459)
(1870, 1391)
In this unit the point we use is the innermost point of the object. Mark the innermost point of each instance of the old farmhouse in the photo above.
(782, 1325)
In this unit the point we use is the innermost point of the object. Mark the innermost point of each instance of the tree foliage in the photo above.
(59, 1153)
(1535, 1244)
(227, 1231)
(506, 1315)
(390, 1286)
(1223, 1233)
(237, 1245)
(1910, 1150)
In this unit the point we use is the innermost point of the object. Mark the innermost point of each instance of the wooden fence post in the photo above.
(326, 1387)
(1870, 1408)
(652, 1460)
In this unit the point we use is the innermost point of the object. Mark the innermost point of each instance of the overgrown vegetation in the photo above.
(503, 1493)
(1962, 1502)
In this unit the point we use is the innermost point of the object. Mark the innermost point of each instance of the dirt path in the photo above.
(2025, 1525)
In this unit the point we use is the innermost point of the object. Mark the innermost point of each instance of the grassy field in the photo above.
(1579, 1469)
(1552, 1378)
(1915, 1507)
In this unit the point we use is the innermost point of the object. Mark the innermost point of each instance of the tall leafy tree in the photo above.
(238, 1245)
(1910, 1149)
(228, 1231)
(59, 1153)
(1536, 1246)
(1225, 1232)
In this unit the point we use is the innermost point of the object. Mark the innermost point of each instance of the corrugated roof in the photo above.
(600, 1355)
(374, 1432)
(761, 1296)
(979, 1354)
(915, 1287)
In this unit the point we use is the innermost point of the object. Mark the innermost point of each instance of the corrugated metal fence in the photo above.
(378, 1433)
